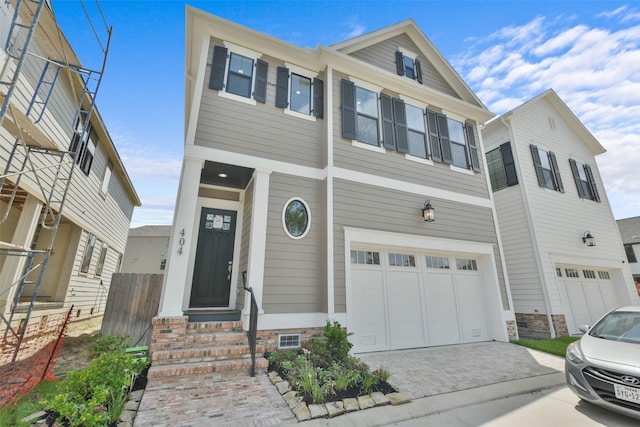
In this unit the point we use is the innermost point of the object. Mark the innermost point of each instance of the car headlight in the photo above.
(574, 354)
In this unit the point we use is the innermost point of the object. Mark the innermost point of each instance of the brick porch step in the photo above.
(203, 354)
(207, 339)
(224, 367)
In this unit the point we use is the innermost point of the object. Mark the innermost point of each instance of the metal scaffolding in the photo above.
(35, 155)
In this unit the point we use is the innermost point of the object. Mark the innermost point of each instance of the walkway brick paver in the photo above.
(206, 400)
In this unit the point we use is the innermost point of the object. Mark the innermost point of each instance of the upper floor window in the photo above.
(299, 92)
(452, 141)
(631, 255)
(408, 65)
(359, 114)
(501, 167)
(585, 182)
(232, 73)
(546, 169)
(106, 178)
(83, 144)
(416, 131)
(101, 259)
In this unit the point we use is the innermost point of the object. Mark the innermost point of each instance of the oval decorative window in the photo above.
(296, 218)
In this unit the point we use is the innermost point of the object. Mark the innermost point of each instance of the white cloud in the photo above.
(354, 28)
(594, 69)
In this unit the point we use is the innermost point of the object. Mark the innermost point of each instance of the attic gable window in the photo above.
(585, 182)
(407, 64)
(299, 92)
(547, 170)
(238, 73)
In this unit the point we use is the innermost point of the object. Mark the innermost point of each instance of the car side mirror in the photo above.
(583, 328)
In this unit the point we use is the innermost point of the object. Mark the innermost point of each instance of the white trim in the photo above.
(368, 146)
(241, 50)
(461, 170)
(329, 198)
(414, 102)
(298, 320)
(284, 224)
(409, 187)
(249, 53)
(365, 85)
(407, 52)
(454, 116)
(418, 159)
(301, 71)
(250, 101)
(292, 113)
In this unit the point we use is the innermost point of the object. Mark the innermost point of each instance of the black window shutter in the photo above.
(388, 135)
(536, 163)
(418, 70)
(400, 63)
(282, 87)
(434, 140)
(400, 119)
(318, 98)
(508, 164)
(348, 109)
(576, 178)
(473, 148)
(443, 133)
(556, 172)
(218, 65)
(260, 89)
(592, 183)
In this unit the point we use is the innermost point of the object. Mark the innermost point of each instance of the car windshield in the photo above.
(619, 326)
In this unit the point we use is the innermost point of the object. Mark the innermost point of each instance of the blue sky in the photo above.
(507, 51)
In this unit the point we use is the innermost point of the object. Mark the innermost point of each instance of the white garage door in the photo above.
(589, 293)
(402, 299)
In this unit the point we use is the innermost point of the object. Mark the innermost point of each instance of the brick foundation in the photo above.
(269, 338)
(512, 329)
(536, 325)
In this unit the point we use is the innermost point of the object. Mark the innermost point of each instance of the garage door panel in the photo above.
(368, 322)
(609, 296)
(406, 328)
(472, 309)
(577, 303)
(442, 313)
(595, 303)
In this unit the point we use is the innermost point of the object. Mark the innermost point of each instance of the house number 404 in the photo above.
(181, 242)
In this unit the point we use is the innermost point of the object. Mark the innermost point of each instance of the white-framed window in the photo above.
(466, 264)
(365, 257)
(585, 182)
(571, 272)
(437, 262)
(547, 170)
(589, 274)
(402, 260)
(83, 144)
(299, 92)
(296, 218)
(416, 131)
(288, 341)
(101, 258)
(457, 143)
(238, 73)
(88, 253)
(408, 65)
(104, 188)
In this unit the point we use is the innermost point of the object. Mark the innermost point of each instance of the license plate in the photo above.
(630, 394)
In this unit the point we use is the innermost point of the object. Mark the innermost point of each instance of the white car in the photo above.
(603, 367)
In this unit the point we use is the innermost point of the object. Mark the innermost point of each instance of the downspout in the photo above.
(534, 242)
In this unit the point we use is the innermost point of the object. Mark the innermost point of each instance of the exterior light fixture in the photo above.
(222, 175)
(428, 212)
(588, 239)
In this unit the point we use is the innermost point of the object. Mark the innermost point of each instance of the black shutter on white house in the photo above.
(443, 133)
(400, 119)
(282, 87)
(434, 140)
(592, 183)
(388, 135)
(260, 89)
(576, 178)
(400, 63)
(318, 98)
(473, 148)
(418, 70)
(556, 172)
(218, 66)
(348, 109)
(509, 164)
(536, 163)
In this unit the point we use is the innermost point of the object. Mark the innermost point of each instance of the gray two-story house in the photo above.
(340, 183)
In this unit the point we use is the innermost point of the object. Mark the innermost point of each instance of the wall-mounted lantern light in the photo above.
(428, 212)
(588, 239)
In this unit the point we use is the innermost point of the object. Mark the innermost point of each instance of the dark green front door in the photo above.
(214, 257)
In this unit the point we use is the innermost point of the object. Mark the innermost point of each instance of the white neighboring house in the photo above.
(564, 256)
(630, 234)
(146, 250)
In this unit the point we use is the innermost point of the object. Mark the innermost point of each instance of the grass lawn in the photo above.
(557, 346)
(27, 405)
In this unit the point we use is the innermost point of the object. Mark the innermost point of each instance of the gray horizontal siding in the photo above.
(293, 276)
(374, 208)
(383, 55)
(391, 164)
(261, 130)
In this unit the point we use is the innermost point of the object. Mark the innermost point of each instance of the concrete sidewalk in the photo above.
(437, 378)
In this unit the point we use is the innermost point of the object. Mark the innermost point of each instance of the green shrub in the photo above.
(96, 395)
(109, 344)
(333, 348)
(282, 360)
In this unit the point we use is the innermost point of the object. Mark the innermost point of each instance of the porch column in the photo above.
(257, 239)
(175, 278)
(22, 237)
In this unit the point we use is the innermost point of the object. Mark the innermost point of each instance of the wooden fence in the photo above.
(133, 301)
